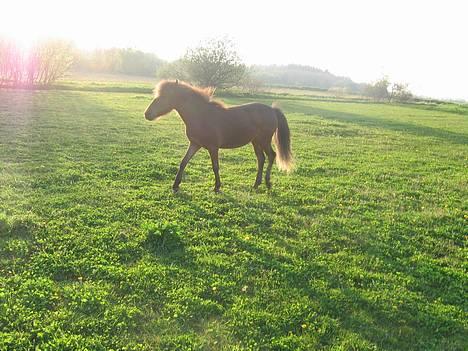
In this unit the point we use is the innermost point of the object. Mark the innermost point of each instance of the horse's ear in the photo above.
(177, 81)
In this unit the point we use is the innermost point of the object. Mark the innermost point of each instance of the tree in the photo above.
(214, 64)
(383, 89)
(378, 90)
(400, 92)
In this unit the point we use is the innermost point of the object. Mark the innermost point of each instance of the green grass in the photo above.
(362, 248)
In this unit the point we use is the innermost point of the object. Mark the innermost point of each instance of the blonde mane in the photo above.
(186, 90)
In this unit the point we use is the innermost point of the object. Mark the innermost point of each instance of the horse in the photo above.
(211, 125)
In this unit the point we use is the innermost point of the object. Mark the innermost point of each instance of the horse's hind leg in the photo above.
(271, 158)
(260, 161)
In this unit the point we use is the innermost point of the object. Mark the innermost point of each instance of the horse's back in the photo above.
(256, 107)
(243, 123)
(255, 112)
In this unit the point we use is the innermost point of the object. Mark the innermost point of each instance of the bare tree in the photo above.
(11, 63)
(43, 64)
(53, 59)
(214, 64)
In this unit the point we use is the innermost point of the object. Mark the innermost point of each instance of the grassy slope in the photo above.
(363, 247)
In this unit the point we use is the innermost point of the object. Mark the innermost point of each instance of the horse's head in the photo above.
(163, 102)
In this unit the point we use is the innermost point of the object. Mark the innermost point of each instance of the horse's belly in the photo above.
(236, 140)
(234, 145)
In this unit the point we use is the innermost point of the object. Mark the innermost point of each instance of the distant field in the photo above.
(106, 78)
(312, 93)
(362, 248)
(138, 84)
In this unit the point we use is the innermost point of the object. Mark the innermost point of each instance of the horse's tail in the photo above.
(284, 159)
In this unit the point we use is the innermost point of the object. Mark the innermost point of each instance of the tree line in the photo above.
(118, 61)
(302, 76)
(214, 63)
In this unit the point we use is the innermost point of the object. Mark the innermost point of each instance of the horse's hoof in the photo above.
(268, 185)
(217, 191)
(175, 190)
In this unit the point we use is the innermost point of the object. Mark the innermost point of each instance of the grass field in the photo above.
(362, 248)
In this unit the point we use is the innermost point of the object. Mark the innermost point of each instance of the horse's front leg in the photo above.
(192, 150)
(215, 163)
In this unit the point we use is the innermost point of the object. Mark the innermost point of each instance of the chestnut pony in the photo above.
(211, 125)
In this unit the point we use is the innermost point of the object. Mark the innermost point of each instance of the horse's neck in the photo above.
(190, 110)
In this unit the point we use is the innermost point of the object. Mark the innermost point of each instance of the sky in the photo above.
(423, 43)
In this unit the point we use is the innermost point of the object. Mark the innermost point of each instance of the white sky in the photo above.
(423, 43)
